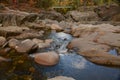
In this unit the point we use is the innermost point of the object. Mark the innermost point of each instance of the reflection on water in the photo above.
(76, 66)
(113, 51)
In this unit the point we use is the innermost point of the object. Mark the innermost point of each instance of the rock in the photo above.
(12, 30)
(112, 39)
(82, 16)
(29, 35)
(37, 41)
(35, 25)
(53, 15)
(83, 30)
(56, 27)
(46, 58)
(13, 43)
(111, 12)
(10, 17)
(2, 41)
(101, 57)
(26, 46)
(46, 44)
(61, 78)
(82, 45)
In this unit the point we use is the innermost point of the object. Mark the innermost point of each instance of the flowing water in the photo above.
(76, 66)
(79, 68)
(71, 65)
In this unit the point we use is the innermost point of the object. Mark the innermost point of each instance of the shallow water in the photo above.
(76, 66)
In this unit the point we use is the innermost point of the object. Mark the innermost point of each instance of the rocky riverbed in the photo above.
(25, 40)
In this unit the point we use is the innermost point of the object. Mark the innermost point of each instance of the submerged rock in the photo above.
(61, 78)
(46, 58)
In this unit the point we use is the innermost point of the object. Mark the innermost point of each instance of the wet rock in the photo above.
(61, 78)
(46, 58)
(111, 12)
(26, 46)
(53, 15)
(82, 16)
(82, 45)
(2, 41)
(12, 30)
(101, 58)
(13, 43)
(56, 27)
(112, 39)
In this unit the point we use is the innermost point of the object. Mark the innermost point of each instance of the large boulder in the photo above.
(111, 12)
(112, 39)
(87, 29)
(82, 16)
(61, 78)
(46, 58)
(82, 44)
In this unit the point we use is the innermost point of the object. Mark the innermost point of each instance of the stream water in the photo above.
(76, 66)
(70, 64)
(73, 65)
